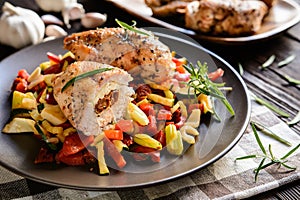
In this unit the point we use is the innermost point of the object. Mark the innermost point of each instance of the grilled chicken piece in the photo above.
(139, 54)
(91, 104)
(164, 8)
(226, 17)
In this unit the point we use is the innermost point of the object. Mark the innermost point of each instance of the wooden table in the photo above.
(267, 84)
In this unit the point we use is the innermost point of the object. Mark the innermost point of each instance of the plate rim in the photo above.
(212, 160)
(217, 39)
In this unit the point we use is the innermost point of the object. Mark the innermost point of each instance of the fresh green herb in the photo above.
(241, 69)
(200, 83)
(84, 75)
(270, 133)
(131, 27)
(268, 156)
(286, 61)
(295, 120)
(291, 80)
(268, 62)
(270, 106)
(44, 137)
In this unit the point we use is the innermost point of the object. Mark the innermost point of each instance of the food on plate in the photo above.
(91, 104)
(225, 17)
(139, 54)
(163, 8)
(214, 17)
(86, 112)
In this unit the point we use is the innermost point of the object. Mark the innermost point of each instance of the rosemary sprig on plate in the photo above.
(268, 156)
(200, 83)
(84, 75)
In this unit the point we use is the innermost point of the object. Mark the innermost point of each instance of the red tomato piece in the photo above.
(44, 156)
(73, 159)
(216, 74)
(21, 85)
(125, 125)
(23, 74)
(147, 108)
(75, 143)
(164, 115)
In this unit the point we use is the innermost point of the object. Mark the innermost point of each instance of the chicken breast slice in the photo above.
(139, 54)
(93, 103)
(226, 17)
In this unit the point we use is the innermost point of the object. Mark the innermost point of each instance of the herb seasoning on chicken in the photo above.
(93, 103)
(140, 55)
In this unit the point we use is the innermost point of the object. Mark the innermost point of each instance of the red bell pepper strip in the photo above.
(216, 74)
(114, 134)
(112, 151)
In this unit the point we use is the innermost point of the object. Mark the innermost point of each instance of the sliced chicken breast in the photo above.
(226, 17)
(93, 103)
(140, 55)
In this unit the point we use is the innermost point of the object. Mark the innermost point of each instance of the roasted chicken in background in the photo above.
(93, 103)
(216, 17)
(163, 8)
(225, 17)
(139, 54)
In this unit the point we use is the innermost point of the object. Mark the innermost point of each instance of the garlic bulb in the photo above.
(20, 27)
(54, 5)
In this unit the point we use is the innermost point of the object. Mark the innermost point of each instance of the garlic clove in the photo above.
(51, 19)
(93, 19)
(55, 31)
(49, 38)
(72, 12)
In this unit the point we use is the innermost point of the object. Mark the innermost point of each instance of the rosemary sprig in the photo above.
(270, 133)
(270, 106)
(286, 60)
(84, 75)
(268, 156)
(268, 62)
(241, 69)
(291, 80)
(200, 83)
(131, 27)
(295, 120)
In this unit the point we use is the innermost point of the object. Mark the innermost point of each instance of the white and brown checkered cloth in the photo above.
(225, 179)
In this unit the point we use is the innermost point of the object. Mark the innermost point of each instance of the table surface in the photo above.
(267, 84)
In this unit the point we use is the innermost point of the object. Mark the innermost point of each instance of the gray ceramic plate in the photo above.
(17, 152)
(283, 15)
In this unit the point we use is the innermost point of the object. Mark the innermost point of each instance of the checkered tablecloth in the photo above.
(225, 179)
